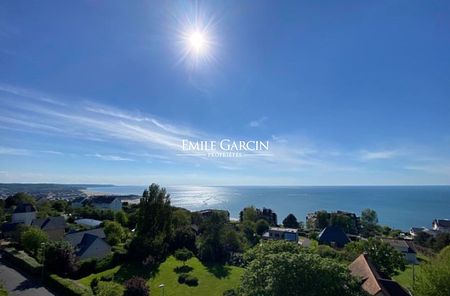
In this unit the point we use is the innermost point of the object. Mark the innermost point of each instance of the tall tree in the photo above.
(154, 223)
(290, 221)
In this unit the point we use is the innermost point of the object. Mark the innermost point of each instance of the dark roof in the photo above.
(417, 229)
(75, 238)
(371, 281)
(335, 235)
(442, 223)
(92, 246)
(103, 199)
(24, 208)
(50, 223)
(400, 244)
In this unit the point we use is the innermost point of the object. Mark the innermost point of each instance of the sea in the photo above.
(400, 207)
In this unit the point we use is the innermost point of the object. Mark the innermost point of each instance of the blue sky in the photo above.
(347, 92)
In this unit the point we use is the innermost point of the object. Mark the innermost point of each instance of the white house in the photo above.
(441, 225)
(105, 202)
(24, 213)
(279, 233)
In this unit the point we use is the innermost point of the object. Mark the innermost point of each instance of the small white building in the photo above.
(441, 225)
(280, 233)
(24, 213)
(105, 202)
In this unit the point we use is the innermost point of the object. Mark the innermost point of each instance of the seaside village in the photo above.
(82, 245)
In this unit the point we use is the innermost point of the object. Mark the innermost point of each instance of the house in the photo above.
(88, 222)
(280, 233)
(91, 246)
(404, 247)
(89, 243)
(414, 231)
(78, 202)
(54, 226)
(105, 202)
(333, 236)
(24, 213)
(441, 225)
(372, 282)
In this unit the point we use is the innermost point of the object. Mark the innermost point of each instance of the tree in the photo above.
(183, 255)
(183, 237)
(290, 221)
(19, 198)
(121, 218)
(434, 276)
(261, 226)
(282, 268)
(386, 259)
(249, 214)
(181, 218)
(114, 232)
(59, 257)
(108, 289)
(369, 217)
(323, 218)
(32, 239)
(441, 240)
(210, 243)
(154, 224)
(136, 286)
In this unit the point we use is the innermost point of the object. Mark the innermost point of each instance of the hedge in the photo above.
(22, 260)
(67, 287)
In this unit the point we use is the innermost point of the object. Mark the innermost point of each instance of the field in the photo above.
(212, 281)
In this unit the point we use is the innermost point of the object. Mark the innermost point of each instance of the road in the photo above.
(18, 284)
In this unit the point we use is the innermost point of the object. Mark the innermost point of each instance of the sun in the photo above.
(197, 42)
(196, 37)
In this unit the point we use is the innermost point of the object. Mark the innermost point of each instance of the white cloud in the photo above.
(382, 154)
(258, 122)
(110, 157)
(13, 151)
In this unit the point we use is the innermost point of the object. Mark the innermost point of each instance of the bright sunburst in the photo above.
(196, 38)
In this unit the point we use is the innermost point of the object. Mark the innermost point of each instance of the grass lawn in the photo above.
(212, 281)
(405, 278)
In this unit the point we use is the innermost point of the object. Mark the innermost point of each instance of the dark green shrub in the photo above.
(182, 278)
(67, 287)
(191, 280)
(94, 284)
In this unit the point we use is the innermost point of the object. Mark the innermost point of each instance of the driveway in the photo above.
(17, 283)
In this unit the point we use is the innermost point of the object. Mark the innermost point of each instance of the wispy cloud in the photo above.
(382, 154)
(258, 122)
(110, 157)
(13, 151)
